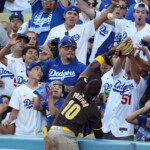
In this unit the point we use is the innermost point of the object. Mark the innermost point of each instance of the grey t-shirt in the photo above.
(3, 38)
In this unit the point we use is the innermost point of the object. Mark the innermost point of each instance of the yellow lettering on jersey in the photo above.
(81, 99)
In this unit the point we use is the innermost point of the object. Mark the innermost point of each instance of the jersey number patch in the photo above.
(126, 99)
(71, 110)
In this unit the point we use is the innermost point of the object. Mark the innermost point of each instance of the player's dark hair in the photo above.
(93, 86)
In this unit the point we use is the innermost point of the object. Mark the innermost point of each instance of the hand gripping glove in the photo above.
(124, 48)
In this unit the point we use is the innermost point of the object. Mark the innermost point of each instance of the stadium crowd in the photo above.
(59, 71)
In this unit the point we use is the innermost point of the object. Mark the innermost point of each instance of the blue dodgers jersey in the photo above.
(129, 14)
(42, 23)
(68, 74)
(58, 104)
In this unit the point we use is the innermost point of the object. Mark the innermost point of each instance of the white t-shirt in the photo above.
(29, 122)
(127, 28)
(17, 5)
(80, 33)
(123, 99)
(19, 71)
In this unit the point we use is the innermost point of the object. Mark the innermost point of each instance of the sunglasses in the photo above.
(48, 0)
(91, 4)
(148, 115)
(121, 7)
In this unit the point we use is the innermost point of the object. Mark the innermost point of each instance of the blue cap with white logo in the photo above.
(68, 41)
(16, 15)
(72, 8)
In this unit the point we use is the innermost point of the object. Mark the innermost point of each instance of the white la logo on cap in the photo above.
(73, 8)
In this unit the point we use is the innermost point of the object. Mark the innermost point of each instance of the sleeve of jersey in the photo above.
(36, 5)
(98, 134)
(88, 29)
(60, 8)
(14, 101)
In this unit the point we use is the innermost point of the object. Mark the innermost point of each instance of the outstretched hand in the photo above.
(13, 40)
(115, 2)
(131, 55)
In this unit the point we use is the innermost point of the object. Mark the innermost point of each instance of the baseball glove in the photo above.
(124, 48)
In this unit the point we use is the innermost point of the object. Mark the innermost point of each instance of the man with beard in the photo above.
(65, 68)
(80, 33)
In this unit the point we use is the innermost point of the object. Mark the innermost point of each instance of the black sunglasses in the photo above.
(121, 7)
(91, 4)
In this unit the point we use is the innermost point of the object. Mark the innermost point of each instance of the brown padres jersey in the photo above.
(77, 110)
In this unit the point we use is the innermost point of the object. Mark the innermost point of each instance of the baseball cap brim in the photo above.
(29, 67)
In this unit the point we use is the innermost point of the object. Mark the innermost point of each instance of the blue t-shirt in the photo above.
(143, 132)
(50, 118)
(41, 23)
(129, 14)
(68, 74)
(106, 3)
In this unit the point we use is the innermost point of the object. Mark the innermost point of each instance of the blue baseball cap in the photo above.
(33, 64)
(68, 41)
(72, 8)
(16, 15)
(22, 35)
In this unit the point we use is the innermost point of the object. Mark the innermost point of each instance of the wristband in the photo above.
(100, 59)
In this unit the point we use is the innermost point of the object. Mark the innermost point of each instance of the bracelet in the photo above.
(100, 59)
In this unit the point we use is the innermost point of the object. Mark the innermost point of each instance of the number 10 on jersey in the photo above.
(71, 110)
